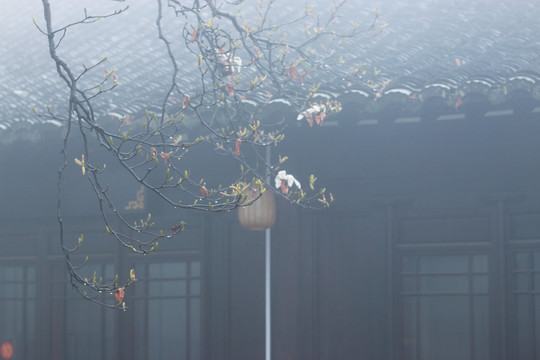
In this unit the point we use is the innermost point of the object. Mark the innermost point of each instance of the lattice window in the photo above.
(168, 310)
(525, 304)
(18, 309)
(444, 306)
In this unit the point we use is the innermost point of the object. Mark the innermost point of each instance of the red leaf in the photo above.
(185, 102)
(119, 294)
(319, 118)
(204, 191)
(230, 88)
(309, 118)
(237, 150)
(284, 187)
(193, 35)
(302, 77)
(292, 71)
(165, 157)
(458, 103)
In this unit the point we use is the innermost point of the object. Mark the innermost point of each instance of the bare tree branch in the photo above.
(234, 60)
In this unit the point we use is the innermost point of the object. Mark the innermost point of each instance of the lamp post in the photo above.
(261, 215)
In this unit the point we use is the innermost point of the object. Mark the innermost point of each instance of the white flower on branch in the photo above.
(284, 181)
(316, 112)
(232, 65)
(237, 61)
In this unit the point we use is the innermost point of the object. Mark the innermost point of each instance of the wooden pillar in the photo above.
(499, 296)
(391, 206)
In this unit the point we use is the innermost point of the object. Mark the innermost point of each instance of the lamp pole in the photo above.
(261, 215)
(268, 309)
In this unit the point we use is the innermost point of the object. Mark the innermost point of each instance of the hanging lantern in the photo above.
(261, 214)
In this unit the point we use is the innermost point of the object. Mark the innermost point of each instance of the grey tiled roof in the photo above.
(431, 48)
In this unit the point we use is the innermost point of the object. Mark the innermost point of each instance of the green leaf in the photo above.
(312, 180)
